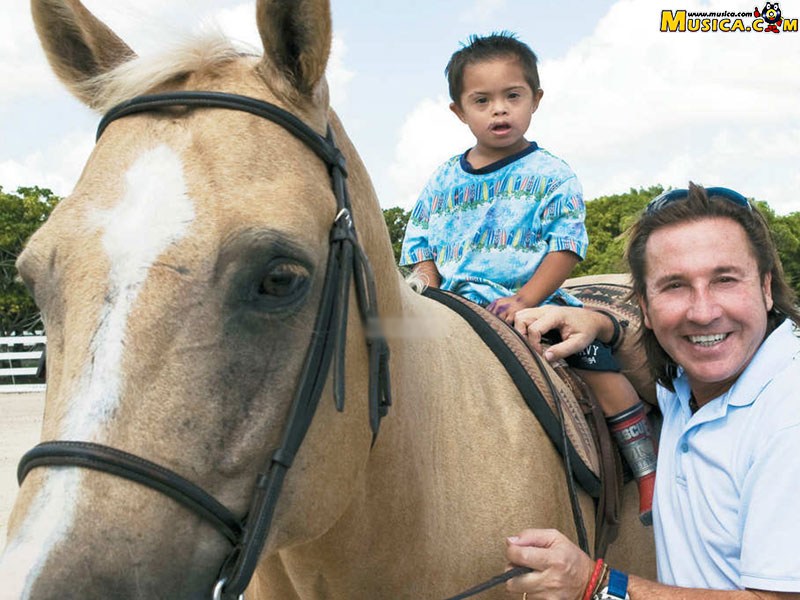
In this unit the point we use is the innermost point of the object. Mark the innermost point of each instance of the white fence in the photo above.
(19, 361)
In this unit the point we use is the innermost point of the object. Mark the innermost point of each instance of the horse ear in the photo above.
(78, 45)
(296, 35)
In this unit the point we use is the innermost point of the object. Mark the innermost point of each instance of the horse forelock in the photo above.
(205, 52)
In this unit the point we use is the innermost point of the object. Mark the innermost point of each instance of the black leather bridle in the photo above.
(346, 260)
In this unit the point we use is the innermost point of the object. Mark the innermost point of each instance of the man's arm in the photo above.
(639, 588)
(561, 571)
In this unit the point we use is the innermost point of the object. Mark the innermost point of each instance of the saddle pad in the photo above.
(538, 384)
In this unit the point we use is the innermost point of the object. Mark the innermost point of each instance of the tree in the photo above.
(21, 213)
(607, 219)
(786, 233)
(396, 219)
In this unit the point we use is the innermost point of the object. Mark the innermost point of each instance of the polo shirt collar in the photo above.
(774, 354)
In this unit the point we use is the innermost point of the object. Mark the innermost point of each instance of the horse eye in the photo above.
(283, 281)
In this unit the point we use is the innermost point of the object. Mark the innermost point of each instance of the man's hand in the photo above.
(561, 570)
(578, 327)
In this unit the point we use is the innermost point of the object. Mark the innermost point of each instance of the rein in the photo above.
(346, 261)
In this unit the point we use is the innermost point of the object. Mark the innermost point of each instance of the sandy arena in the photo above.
(20, 425)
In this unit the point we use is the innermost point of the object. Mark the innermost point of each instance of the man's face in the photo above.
(705, 301)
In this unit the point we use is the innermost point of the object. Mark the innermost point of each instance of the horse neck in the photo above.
(459, 462)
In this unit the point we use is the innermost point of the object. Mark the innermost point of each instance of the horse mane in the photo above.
(204, 52)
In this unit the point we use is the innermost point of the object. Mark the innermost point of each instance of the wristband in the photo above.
(617, 333)
(617, 588)
(593, 580)
(600, 580)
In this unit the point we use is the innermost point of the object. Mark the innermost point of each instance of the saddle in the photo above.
(561, 401)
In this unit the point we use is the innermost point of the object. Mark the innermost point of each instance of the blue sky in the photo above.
(625, 104)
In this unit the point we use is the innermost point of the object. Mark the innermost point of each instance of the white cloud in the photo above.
(147, 27)
(338, 75)
(481, 10)
(633, 105)
(630, 106)
(56, 167)
(239, 24)
(22, 70)
(430, 135)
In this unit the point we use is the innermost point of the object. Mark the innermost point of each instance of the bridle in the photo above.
(346, 260)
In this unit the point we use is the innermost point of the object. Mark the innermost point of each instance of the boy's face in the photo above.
(497, 104)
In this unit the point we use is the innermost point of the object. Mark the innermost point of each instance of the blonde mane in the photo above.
(203, 52)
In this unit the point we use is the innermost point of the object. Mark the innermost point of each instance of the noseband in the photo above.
(346, 260)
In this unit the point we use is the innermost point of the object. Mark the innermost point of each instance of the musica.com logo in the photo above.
(768, 19)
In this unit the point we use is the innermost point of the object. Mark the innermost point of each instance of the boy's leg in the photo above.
(627, 421)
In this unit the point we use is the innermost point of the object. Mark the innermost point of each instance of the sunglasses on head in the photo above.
(662, 200)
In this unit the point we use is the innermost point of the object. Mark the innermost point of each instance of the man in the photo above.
(719, 333)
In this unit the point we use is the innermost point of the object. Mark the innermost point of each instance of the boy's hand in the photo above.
(507, 308)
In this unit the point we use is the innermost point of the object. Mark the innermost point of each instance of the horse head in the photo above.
(180, 285)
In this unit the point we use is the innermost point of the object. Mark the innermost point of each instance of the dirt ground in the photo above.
(20, 424)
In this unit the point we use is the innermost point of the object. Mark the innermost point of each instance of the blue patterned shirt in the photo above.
(488, 229)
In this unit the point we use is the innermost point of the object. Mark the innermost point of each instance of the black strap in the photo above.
(346, 261)
(530, 393)
(129, 466)
(574, 468)
(321, 146)
(490, 583)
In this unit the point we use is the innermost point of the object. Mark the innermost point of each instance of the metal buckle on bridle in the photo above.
(344, 214)
(218, 590)
(343, 227)
(348, 257)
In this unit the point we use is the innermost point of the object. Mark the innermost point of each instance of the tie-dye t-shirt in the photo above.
(489, 229)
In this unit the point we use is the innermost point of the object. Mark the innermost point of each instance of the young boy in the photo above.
(503, 224)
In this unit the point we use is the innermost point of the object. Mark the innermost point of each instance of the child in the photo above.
(503, 224)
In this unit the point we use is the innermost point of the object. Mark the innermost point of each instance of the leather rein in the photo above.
(346, 261)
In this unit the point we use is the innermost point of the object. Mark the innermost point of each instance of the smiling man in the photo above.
(720, 333)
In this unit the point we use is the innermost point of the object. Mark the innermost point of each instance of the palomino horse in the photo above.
(182, 284)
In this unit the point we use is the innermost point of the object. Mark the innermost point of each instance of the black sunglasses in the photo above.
(665, 198)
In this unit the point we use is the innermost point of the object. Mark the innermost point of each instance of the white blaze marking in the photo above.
(154, 213)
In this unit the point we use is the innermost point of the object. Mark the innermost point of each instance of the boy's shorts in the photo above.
(597, 356)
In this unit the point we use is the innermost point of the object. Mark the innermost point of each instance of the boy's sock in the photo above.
(631, 430)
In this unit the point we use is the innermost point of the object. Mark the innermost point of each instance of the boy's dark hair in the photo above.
(698, 205)
(479, 49)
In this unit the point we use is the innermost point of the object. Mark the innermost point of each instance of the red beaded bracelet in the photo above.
(598, 568)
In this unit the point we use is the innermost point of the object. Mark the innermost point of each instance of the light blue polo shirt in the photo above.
(727, 499)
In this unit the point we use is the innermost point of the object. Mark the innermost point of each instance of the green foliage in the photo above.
(607, 218)
(396, 219)
(21, 213)
(786, 233)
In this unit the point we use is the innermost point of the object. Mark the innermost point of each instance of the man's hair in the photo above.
(491, 47)
(697, 206)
